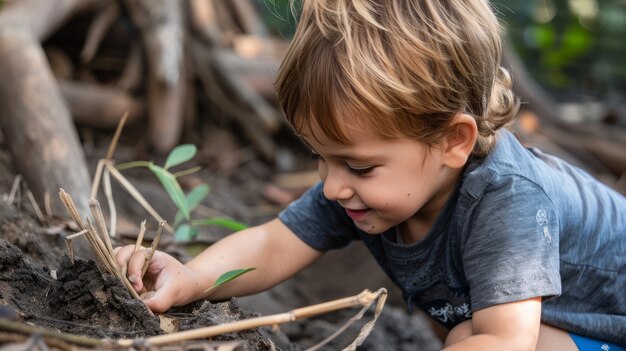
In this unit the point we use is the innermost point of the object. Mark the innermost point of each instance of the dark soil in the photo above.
(83, 301)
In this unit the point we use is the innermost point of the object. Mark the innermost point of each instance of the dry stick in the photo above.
(68, 244)
(142, 231)
(153, 248)
(18, 327)
(365, 330)
(116, 137)
(14, 187)
(109, 261)
(364, 298)
(136, 194)
(35, 206)
(69, 204)
(109, 195)
(96, 212)
(100, 248)
(105, 260)
(96, 178)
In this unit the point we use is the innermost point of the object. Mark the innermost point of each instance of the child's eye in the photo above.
(360, 171)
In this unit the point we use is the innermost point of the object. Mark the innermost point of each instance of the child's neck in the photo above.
(412, 231)
(417, 227)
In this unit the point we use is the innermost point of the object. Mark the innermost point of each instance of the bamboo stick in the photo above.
(365, 298)
(153, 248)
(96, 212)
(109, 195)
(142, 231)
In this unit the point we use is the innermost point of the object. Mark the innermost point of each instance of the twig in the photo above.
(116, 137)
(109, 195)
(142, 231)
(68, 244)
(96, 178)
(153, 248)
(104, 256)
(35, 205)
(22, 328)
(366, 298)
(136, 194)
(14, 188)
(96, 212)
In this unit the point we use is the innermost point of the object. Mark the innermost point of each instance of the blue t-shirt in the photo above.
(520, 224)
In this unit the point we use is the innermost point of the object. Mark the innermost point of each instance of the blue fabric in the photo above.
(587, 344)
(520, 224)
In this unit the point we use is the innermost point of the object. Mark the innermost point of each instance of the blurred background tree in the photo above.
(573, 48)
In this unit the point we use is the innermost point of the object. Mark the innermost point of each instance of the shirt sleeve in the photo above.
(319, 222)
(511, 252)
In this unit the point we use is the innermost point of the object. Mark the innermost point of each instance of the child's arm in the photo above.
(274, 250)
(509, 326)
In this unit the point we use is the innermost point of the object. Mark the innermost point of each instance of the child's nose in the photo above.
(337, 188)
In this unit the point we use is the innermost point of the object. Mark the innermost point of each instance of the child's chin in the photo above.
(370, 228)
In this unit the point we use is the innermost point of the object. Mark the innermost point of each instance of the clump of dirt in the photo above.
(79, 299)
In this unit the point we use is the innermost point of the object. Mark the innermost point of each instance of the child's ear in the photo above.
(459, 141)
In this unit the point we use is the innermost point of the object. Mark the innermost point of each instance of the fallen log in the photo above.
(33, 116)
(110, 104)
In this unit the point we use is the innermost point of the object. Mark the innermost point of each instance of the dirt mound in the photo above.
(78, 299)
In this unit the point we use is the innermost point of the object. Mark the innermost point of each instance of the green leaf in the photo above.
(180, 154)
(222, 222)
(194, 197)
(230, 275)
(172, 187)
(185, 233)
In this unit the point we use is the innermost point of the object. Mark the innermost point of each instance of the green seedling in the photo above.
(186, 228)
(228, 276)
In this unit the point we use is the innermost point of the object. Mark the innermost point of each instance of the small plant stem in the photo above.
(136, 194)
(153, 248)
(187, 172)
(116, 137)
(365, 298)
(133, 164)
(96, 212)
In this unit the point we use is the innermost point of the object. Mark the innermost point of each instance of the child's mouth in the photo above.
(357, 214)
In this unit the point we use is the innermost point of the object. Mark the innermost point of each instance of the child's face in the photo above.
(380, 182)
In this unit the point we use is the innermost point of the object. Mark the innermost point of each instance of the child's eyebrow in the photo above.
(356, 157)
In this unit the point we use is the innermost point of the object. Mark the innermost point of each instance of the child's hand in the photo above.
(167, 281)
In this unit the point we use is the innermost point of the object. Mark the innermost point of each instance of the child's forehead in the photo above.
(353, 132)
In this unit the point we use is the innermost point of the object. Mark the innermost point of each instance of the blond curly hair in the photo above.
(401, 67)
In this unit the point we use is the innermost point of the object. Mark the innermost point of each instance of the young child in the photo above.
(403, 101)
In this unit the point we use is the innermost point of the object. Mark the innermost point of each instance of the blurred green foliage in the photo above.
(573, 48)
(278, 16)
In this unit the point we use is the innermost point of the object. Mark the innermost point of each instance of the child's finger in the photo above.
(122, 254)
(135, 266)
